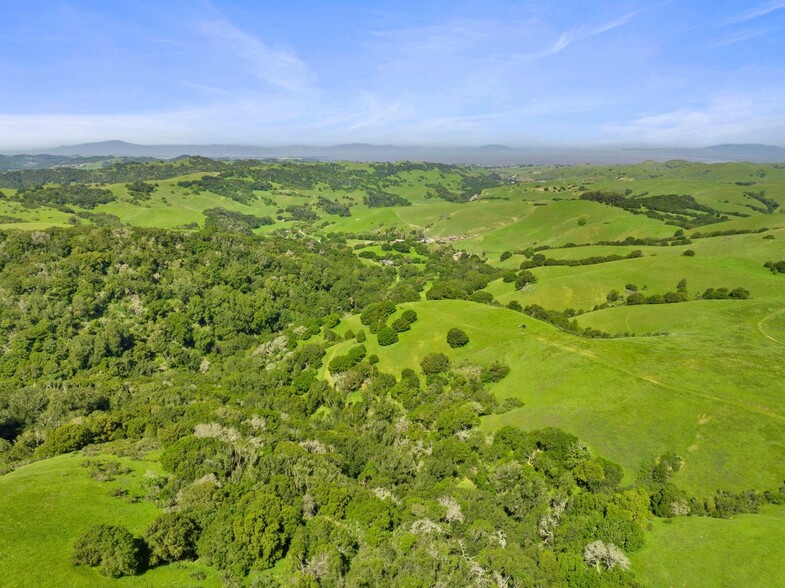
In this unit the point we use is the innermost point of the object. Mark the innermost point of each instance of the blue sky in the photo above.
(580, 73)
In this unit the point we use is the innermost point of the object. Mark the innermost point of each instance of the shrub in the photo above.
(377, 313)
(524, 278)
(191, 458)
(739, 294)
(515, 305)
(688, 253)
(171, 537)
(400, 325)
(671, 297)
(343, 363)
(457, 338)
(435, 363)
(113, 549)
(409, 315)
(505, 256)
(636, 298)
(495, 372)
(64, 439)
(387, 336)
(482, 297)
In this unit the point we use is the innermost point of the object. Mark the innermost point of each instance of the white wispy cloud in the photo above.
(741, 37)
(757, 12)
(277, 66)
(727, 118)
(573, 35)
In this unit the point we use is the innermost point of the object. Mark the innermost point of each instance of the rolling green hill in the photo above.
(180, 327)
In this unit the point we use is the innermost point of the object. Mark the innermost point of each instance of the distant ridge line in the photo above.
(484, 154)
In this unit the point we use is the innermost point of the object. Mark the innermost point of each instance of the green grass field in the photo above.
(45, 506)
(697, 551)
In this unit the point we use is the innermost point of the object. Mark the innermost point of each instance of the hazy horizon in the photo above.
(526, 75)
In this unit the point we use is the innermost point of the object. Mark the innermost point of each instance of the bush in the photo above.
(688, 253)
(113, 549)
(401, 247)
(376, 313)
(515, 305)
(171, 537)
(343, 363)
(524, 278)
(457, 338)
(505, 256)
(190, 458)
(739, 294)
(636, 298)
(435, 363)
(409, 316)
(495, 372)
(65, 439)
(482, 297)
(400, 325)
(387, 336)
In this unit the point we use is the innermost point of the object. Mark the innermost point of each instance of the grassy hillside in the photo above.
(47, 505)
(631, 399)
(696, 552)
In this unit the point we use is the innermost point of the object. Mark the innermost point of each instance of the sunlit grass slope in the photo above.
(47, 505)
(711, 392)
(693, 552)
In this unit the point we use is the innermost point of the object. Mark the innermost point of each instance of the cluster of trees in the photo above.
(297, 213)
(539, 260)
(680, 295)
(470, 185)
(770, 205)
(727, 232)
(230, 221)
(116, 552)
(375, 317)
(677, 209)
(461, 276)
(140, 189)
(238, 190)
(116, 173)
(378, 199)
(333, 207)
(563, 320)
(62, 197)
(776, 267)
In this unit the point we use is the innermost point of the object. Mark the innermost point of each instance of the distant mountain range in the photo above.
(487, 154)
